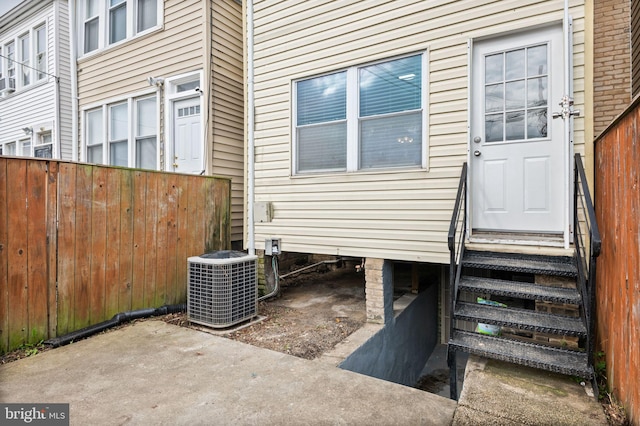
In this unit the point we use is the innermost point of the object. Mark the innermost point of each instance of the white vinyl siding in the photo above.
(386, 213)
(38, 105)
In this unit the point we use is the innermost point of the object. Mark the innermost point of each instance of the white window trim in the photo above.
(103, 27)
(131, 123)
(353, 142)
(171, 96)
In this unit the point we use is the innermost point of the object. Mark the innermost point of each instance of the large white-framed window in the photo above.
(24, 60)
(123, 133)
(366, 117)
(107, 22)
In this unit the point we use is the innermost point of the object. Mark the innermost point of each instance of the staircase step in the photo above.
(558, 360)
(526, 263)
(523, 319)
(520, 290)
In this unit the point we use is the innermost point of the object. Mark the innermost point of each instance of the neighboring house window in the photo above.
(131, 133)
(44, 145)
(25, 147)
(367, 117)
(106, 22)
(9, 148)
(25, 60)
(41, 52)
(24, 56)
(11, 66)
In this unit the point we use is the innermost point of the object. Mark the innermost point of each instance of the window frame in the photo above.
(354, 119)
(131, 131)
(20, 61)
(104, 17)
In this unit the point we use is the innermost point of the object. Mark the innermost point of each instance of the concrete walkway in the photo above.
(153, 373)
(499, 393)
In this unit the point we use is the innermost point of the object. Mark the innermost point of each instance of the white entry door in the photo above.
(518, 160)
(188, 145)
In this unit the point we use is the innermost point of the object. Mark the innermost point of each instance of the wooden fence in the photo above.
(617, 199)
(80, 243)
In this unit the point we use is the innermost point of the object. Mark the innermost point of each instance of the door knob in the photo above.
(477, 139)
(477, 153)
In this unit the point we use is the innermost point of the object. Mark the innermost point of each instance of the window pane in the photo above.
(537, 60)
(45, 151)
(191, 85)
(146, 153)
(391, 141)
(26, 148)
(537, 123)
(25, 55)
(147, 14)
(146, 115)
(118, 122)
(493, 68)
(322, 99)
(41, 52)
(322, 147)
(515, 125)
(392, 86)
(493, 127)
(118, 153)
(94, 154)
(10, 148)
(94, 127)
(515, 94)
(494, 98)
(91, 8)
(117, 22)
(537, 92)
(515, 64)
(91, 35)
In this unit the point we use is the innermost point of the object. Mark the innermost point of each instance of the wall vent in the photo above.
(222, 288)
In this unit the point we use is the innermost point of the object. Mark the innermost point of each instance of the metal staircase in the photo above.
(541, 314)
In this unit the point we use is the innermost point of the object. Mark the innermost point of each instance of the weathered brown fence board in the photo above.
(617, 195)
(79, 243)
(4, 264)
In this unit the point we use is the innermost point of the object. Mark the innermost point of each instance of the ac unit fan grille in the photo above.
(221, 295)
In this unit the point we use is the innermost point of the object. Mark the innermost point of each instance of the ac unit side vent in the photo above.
(222, 291)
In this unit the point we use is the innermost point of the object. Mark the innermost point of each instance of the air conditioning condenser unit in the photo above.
(222, 288)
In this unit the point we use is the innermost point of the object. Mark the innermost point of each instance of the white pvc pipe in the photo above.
(74, 84)
(250, 135)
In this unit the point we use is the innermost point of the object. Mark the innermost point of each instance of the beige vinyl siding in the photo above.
(123, 69)
(400, 215)
(227, 104)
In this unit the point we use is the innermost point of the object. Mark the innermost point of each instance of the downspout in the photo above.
(74, 82)
(58, 147)
(250, 131)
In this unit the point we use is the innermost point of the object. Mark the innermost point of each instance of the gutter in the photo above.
(74, 81)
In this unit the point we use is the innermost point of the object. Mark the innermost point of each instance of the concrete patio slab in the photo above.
(153, 373)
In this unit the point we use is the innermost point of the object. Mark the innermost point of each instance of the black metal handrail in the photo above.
(458, 220)
(586, 236)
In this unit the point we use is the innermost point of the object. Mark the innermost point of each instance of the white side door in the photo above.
(518, 160)
(187, 141)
